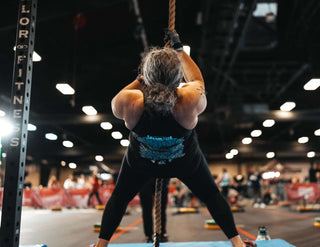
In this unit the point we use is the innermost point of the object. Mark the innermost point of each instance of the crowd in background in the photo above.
(260, 191)
(254, 189)
(92, 182)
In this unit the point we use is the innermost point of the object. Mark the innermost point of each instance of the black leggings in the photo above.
(200, 182)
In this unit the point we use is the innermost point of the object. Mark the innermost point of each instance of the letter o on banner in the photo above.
(24, 21)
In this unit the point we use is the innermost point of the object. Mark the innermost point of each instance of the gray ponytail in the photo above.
(162, 71)
(159, 98)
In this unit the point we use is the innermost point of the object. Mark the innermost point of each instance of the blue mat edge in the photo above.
(259, 243)
(262, 243)
(35, 245)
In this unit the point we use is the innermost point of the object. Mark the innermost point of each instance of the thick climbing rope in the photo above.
(159, 181)
(158, 230)
(172, 18)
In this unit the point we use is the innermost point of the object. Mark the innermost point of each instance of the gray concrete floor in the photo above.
(74, 227)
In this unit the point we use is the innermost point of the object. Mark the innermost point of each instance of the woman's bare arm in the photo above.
(191, 71)
(192, 98)
(128, 103)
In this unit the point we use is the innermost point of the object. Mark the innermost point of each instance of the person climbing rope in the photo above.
(162, 117)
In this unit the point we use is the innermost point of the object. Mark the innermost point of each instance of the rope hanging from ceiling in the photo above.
(159, 181)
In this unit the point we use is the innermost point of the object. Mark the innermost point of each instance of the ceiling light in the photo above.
(311, 154)
(2, 113)
(313, 84)
(246, 140)
(51, 136)
(270, 175)
(65, 88)
(303, 139)
(266, 175)
(106, 125)
(317, 132)
(124, 142)
(268, 123)
(36, 57)
(116, 135)
(32, 127)
(229, 156)
(4, 155)
(99, 158)
(72, 165)
(270, 155)
(288, 106)
(187, 49)
(234, 151)
(63, 163)
(6, 127)
(89, 110)
(256, 133)
(67, 144)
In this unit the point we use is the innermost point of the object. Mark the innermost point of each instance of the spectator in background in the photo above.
(280, 189)
(297, 178)
(254, 183)
(94, 186)
(81, 182)
(224, 182)
(266, 192)
(233, 197)
(180, 193)
(27, 183)
(69, 183)
(239, 185)
(318, 176)
(53, 183)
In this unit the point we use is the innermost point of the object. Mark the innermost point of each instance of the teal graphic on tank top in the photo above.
(161, 149)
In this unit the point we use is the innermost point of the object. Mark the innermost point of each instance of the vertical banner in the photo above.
(19, 116)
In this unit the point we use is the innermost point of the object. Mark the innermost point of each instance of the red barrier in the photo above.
(46, 198)
(53, 197)
(77, 198)
(309, 192)
(27, 199)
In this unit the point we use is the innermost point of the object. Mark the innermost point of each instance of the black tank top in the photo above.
(160, 145)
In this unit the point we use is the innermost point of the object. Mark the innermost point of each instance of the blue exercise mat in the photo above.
(35, 245)
(262, 243)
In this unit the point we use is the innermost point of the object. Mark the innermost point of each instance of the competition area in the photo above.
(75, 227)
(44, 217)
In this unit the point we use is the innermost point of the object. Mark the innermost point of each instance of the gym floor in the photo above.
(74, 227)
